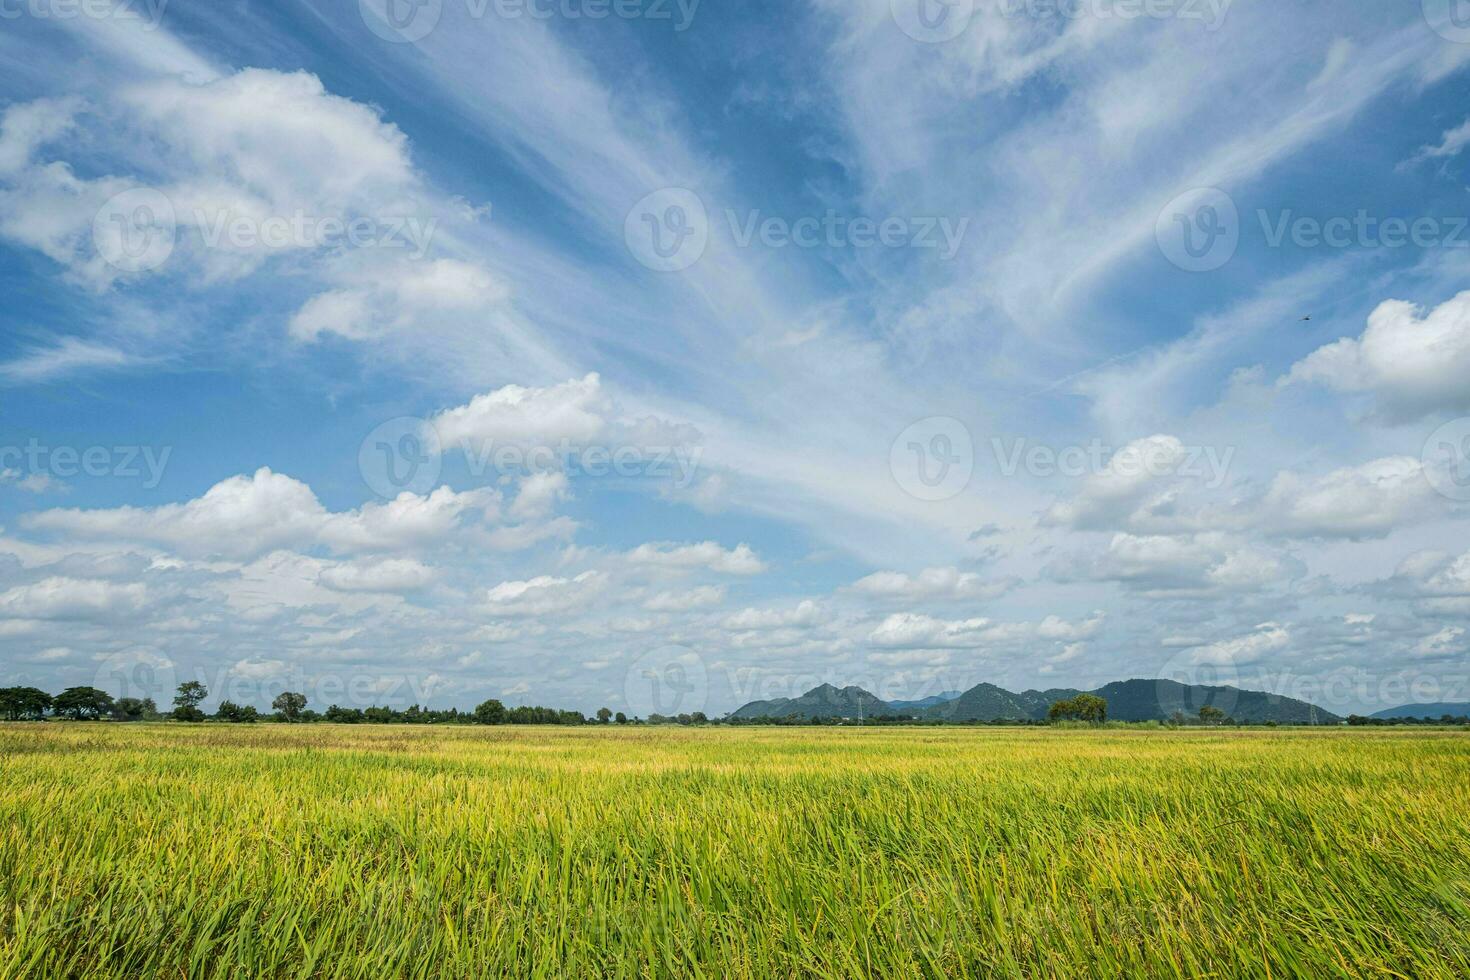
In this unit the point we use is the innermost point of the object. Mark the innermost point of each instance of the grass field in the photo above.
(249, 851)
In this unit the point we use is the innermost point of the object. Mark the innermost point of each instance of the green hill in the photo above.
(1131, 700)
(820, 702)
(1432, 709)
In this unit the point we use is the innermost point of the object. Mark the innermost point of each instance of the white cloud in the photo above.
(1365, 501)
(709, 555)
(27, 126)
(804, 615)
(699, 598)
(256, 669)
(377, 575)
(64, 598)
(1450, 145)
(1113, 494)
(245, 516)
(65, 357)
(932, 583)
(575, 412)
(378, 297)
(1447, 642)
(539, 493)
(1250, 648)
(916, 630)
(1413, 364)
(1190, 564)
(544, 595)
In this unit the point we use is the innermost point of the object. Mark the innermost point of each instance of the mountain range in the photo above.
(1432, 709)
(1132, 700)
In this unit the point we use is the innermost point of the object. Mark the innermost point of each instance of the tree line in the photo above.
(291, 707)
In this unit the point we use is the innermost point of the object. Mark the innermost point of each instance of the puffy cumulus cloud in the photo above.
(690, 599)
(380, 294)
(576, 412)
(804, 615)
(1205, 564)
(545, 595)
(538, 494)
(1057, 628)
(905, 631)
(1440, 582)
(1250, 648)
(251, 147)
(377, 575)
(256, 669)
(1130, 480)
(544, 423)
(280, 134)
(1447, 642)
(245, 516)
(1413, 364)
(932, 583)
(707, 555)
(62, 598)
(1366, 501)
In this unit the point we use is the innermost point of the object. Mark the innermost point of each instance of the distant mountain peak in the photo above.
(1136, 699)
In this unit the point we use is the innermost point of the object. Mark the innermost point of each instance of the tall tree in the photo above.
(83, 704)
(24, 703)
(186, 702)
(289, 705)
(136, 709)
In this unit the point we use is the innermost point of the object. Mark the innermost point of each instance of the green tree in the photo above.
(24, 703)
(186, 702)
(1084, 707)
(230, 711)
(289, 705)
(83, 704)
(136, 709)
(490, 712)
(621, 718)
(1065, 710)
(604, 715)
(1211, 715)
(1091, 708)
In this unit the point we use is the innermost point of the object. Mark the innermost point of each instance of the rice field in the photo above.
(362, 851)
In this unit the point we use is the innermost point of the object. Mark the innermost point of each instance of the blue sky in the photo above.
(669, 356)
